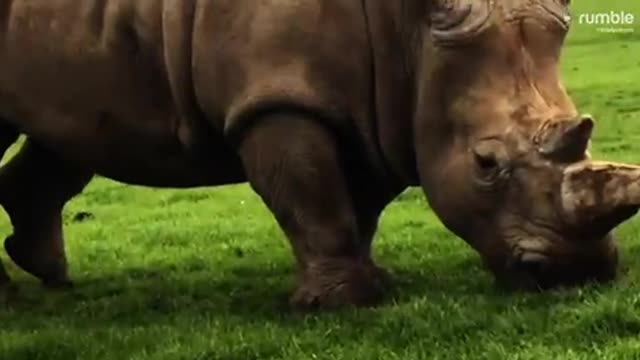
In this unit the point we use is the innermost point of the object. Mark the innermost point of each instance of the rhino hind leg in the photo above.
(34, 187)
(294, 165)
(8, 136)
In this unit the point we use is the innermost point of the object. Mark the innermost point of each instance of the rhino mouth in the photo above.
(528, 252)
(538, 263)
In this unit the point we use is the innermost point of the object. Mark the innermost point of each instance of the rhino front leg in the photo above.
(295, 166)
(34, 187)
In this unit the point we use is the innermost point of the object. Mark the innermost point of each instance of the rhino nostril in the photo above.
(533, 263)
(531, 267)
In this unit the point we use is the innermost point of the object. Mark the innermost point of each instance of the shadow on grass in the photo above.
(256, 293)
(457, 306)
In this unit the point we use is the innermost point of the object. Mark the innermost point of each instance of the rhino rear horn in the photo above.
(567, 140)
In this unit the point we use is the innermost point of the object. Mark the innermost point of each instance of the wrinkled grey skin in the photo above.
(328, 108)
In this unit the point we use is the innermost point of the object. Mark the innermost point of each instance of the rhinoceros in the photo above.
(329, 109)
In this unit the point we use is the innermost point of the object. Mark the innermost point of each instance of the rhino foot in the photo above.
(5, 280)
(52, 271)
(334, 283)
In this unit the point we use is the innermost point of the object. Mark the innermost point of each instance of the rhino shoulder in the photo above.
(310, 55)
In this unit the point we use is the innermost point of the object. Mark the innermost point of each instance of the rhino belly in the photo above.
(121, 149)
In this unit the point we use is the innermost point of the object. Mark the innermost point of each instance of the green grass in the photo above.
(205, 274)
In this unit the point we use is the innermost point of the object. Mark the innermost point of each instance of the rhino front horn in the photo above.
(597, 196)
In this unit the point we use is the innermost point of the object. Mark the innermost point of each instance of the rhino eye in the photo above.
(491, 163)
(488, 170)
(486, 162)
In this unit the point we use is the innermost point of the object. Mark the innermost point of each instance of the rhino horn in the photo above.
(565, 140)
(597, 195)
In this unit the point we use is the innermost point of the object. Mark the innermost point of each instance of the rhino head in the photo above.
(502, 152)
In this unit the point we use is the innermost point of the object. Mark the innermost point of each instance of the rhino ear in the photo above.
(566, 140)
(455, 20)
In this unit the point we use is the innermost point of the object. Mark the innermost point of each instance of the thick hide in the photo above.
(329, 109)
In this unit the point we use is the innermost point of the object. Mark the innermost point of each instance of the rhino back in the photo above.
(117, 77)
(65, 56)
(90, 79)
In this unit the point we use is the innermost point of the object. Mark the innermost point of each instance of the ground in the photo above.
(204, 274)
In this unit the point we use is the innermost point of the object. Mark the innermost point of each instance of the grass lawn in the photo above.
(205, 274)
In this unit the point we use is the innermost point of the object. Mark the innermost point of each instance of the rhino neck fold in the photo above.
(395, 36)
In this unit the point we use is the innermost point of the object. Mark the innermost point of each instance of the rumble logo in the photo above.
(612, 21)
